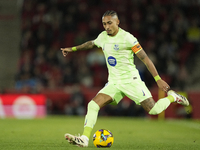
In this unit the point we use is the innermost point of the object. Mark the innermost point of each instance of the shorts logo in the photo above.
(112, 61)
(116, 47)
(143, 93)
(85, 122)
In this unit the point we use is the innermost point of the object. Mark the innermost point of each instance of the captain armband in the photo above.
(136, 48)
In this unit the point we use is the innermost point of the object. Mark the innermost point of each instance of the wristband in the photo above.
(157, 78)
(74, 49)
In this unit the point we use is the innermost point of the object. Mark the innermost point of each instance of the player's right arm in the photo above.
(84, 46)
(152, 69)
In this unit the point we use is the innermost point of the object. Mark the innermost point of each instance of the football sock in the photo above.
(90, 118)
(171, 98)
(159, 106)
(87, 131)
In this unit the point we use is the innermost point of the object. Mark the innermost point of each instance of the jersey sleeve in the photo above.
(98, 40)
(134, 44)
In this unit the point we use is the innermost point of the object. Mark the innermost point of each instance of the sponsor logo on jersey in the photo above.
(112, 61)
(116, 47)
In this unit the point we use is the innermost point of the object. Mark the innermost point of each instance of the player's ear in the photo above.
(118, 21)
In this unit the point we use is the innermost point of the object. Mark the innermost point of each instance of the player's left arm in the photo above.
(152, 69)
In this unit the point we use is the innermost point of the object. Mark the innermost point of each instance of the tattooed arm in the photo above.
(84, 46)
(152, 69)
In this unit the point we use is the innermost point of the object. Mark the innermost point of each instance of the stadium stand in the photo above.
(166, 30)
(169, 32)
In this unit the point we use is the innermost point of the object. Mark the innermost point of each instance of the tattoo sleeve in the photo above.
(148, 104)
(86, 46)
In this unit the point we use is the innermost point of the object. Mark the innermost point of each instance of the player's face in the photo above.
(110, 24)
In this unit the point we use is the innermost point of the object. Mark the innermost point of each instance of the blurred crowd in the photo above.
(169, 32)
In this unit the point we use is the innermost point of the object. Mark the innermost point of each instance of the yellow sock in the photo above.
(90, 118)
(171, 98)
(87, 131)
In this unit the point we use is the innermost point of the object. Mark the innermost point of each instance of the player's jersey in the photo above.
(119, 54)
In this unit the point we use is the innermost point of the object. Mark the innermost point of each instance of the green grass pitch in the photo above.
(129, 133)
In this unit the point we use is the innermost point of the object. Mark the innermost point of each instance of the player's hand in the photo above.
(65, 51)
(163, 85)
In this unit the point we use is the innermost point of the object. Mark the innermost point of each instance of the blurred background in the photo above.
(31, 63)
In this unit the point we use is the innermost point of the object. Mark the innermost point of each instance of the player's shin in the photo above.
(160, 106)
(90, 118)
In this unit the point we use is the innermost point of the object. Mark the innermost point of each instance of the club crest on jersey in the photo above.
(112, 61)
(116, 47)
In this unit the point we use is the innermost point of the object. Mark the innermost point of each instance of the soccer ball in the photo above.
(103, 138)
